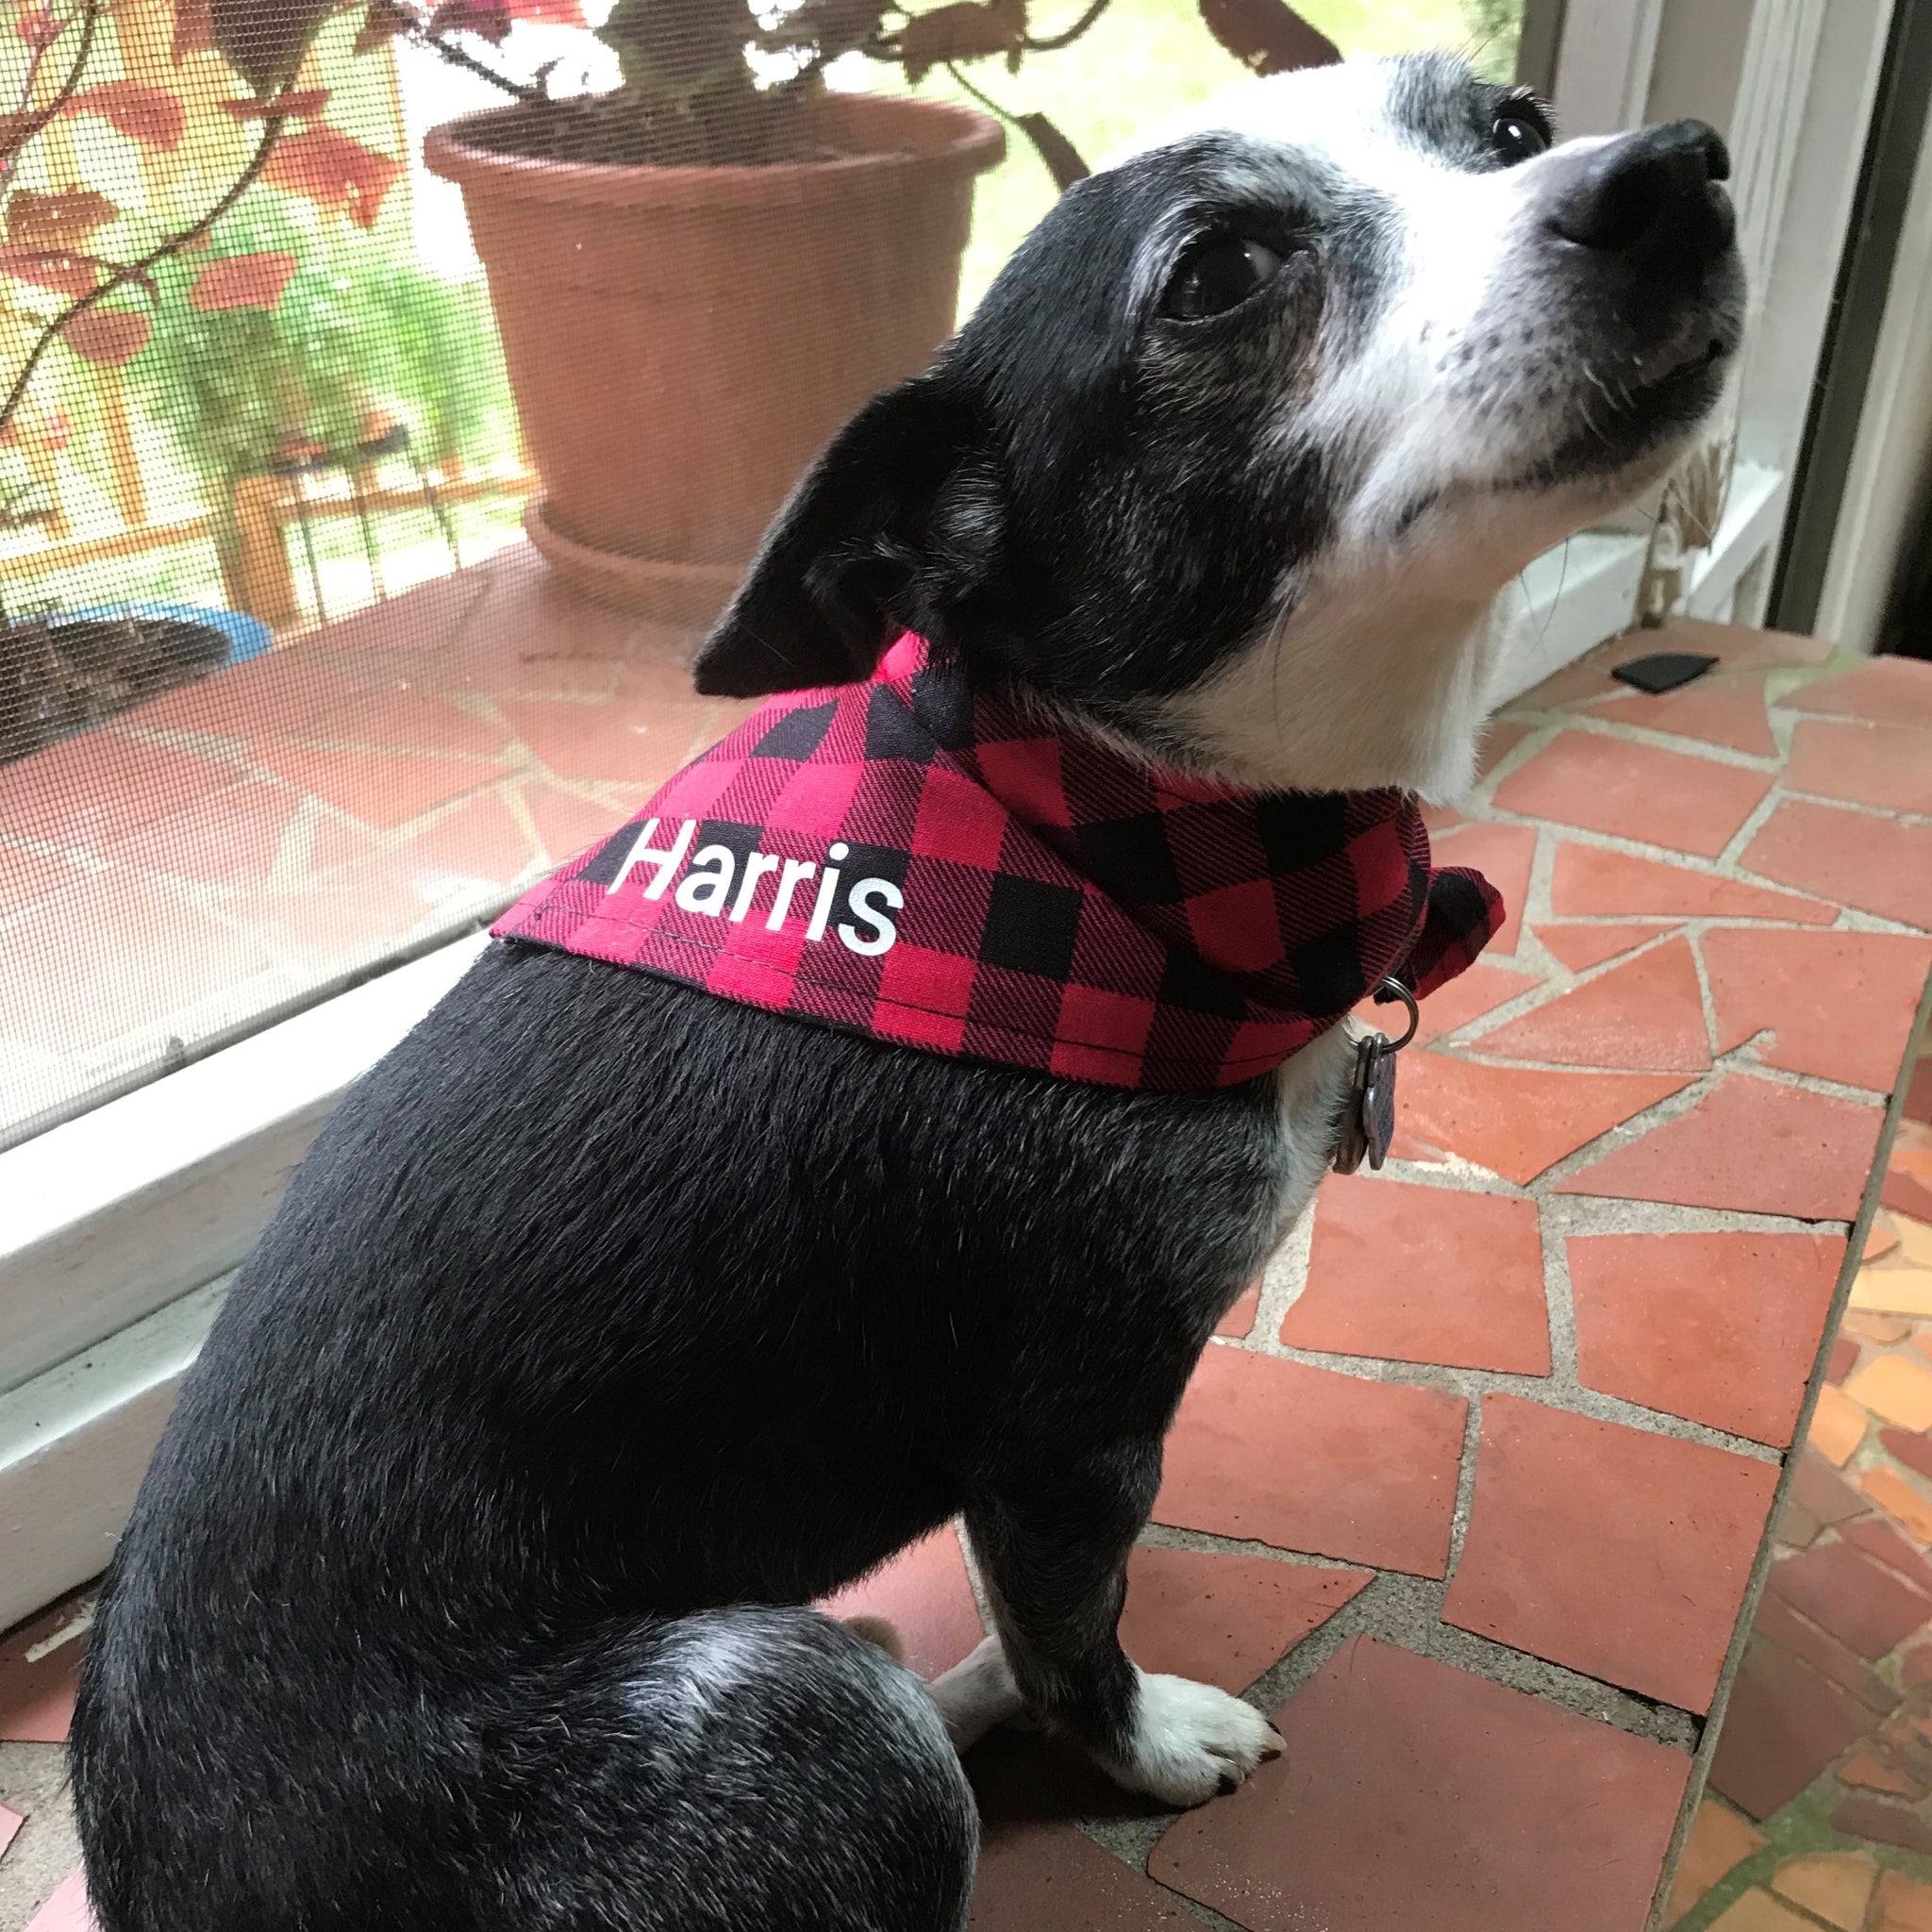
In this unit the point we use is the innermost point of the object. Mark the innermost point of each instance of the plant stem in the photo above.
(460, 57)
(90, 19)
(1055, 42)
(139, 271)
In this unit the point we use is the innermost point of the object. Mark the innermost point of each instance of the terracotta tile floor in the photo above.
(372, 786)
(1480, 1479)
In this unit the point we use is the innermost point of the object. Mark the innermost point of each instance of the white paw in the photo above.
(976, 1694)
(1192, 1741)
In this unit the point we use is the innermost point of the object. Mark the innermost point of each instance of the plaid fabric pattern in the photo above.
(908, 860)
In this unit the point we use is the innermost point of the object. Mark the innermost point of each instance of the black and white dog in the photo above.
(610, 1324)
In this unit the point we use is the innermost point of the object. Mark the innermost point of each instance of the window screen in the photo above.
(389, 394)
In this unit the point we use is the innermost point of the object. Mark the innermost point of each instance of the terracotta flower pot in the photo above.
(682, 340)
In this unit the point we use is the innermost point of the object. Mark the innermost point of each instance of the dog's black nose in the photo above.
(1649, 189)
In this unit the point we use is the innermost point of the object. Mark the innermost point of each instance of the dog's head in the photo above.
(1239, 449)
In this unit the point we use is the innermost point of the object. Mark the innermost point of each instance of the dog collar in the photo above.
(912, 860)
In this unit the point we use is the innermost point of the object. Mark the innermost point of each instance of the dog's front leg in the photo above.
(1053, 1548)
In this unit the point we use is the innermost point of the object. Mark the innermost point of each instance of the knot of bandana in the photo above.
(945, 869)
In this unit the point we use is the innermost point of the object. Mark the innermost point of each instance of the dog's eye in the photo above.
(1520, 132)
(1217, 276)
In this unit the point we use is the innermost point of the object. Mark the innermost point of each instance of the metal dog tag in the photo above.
(1367, 1120)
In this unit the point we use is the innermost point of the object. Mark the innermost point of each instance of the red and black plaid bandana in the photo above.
(943, 869)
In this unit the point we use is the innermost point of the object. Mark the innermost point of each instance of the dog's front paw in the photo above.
(1192, 1741)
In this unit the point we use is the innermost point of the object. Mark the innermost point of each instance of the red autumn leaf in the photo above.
(35, 24)
(305, 106)
(548, 12)
(1267, 36)
(112, 336)
(143, 113)
(50, 268)
(384, 21)
(489, 20)
(194, 30)
(242, 281)
(16, 131)
(333, 172)
(63, 219)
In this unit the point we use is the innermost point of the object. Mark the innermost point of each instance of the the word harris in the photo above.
(708, 882)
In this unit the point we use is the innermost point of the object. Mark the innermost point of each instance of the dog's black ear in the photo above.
(847, 563)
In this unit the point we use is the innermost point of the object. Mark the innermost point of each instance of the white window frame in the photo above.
(119, 1228)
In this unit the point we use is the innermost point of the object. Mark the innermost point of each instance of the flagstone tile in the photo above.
(1424, 1275)
(1881, 1238)
(1807, 987)
(1717, 1842)
(1866, 1772)
(474, 853)
(1838, 1425)
(640, 743)
(26, 877)
(1844, 1358)
(1905, 1904)
(1776, 1622)
(1751, 1146)
(1644, 1017)
(1885, 1822)
(1589, 881)
(1785, 1724)
(1050, 1875)
(91, 793)
(1613, 1550)
(566, 824)
(1738, 647)
(1307, 1459)
(1757, 1911)
(1406, 1780)
(1580, 947)
(1889, 766)
(1912, 1449)
(1822, 1491)
(37, 1695)
(1729, 714)
(114, 956)
(1223, 1618)
(1880, 1330)
(1895, 1391)
(1635, 792)
(1899, 1501)
(1239, 1323)
(1516, 1121)
(925, 1594)
(10, 1822)
(381, 788)
(1894, 1291)
(1879, 1540)
(1472, 993)
(227, 838)
(1718, 1329)
(66, 1909)
(1850, 1593)
(1796, 1526)
(1877, 865)
(1505, 855)
(1500, 736)
(1882, 691)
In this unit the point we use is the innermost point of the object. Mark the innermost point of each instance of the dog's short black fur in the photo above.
(609, 1323)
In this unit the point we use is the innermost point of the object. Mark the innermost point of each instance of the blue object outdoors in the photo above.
(248, 636)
